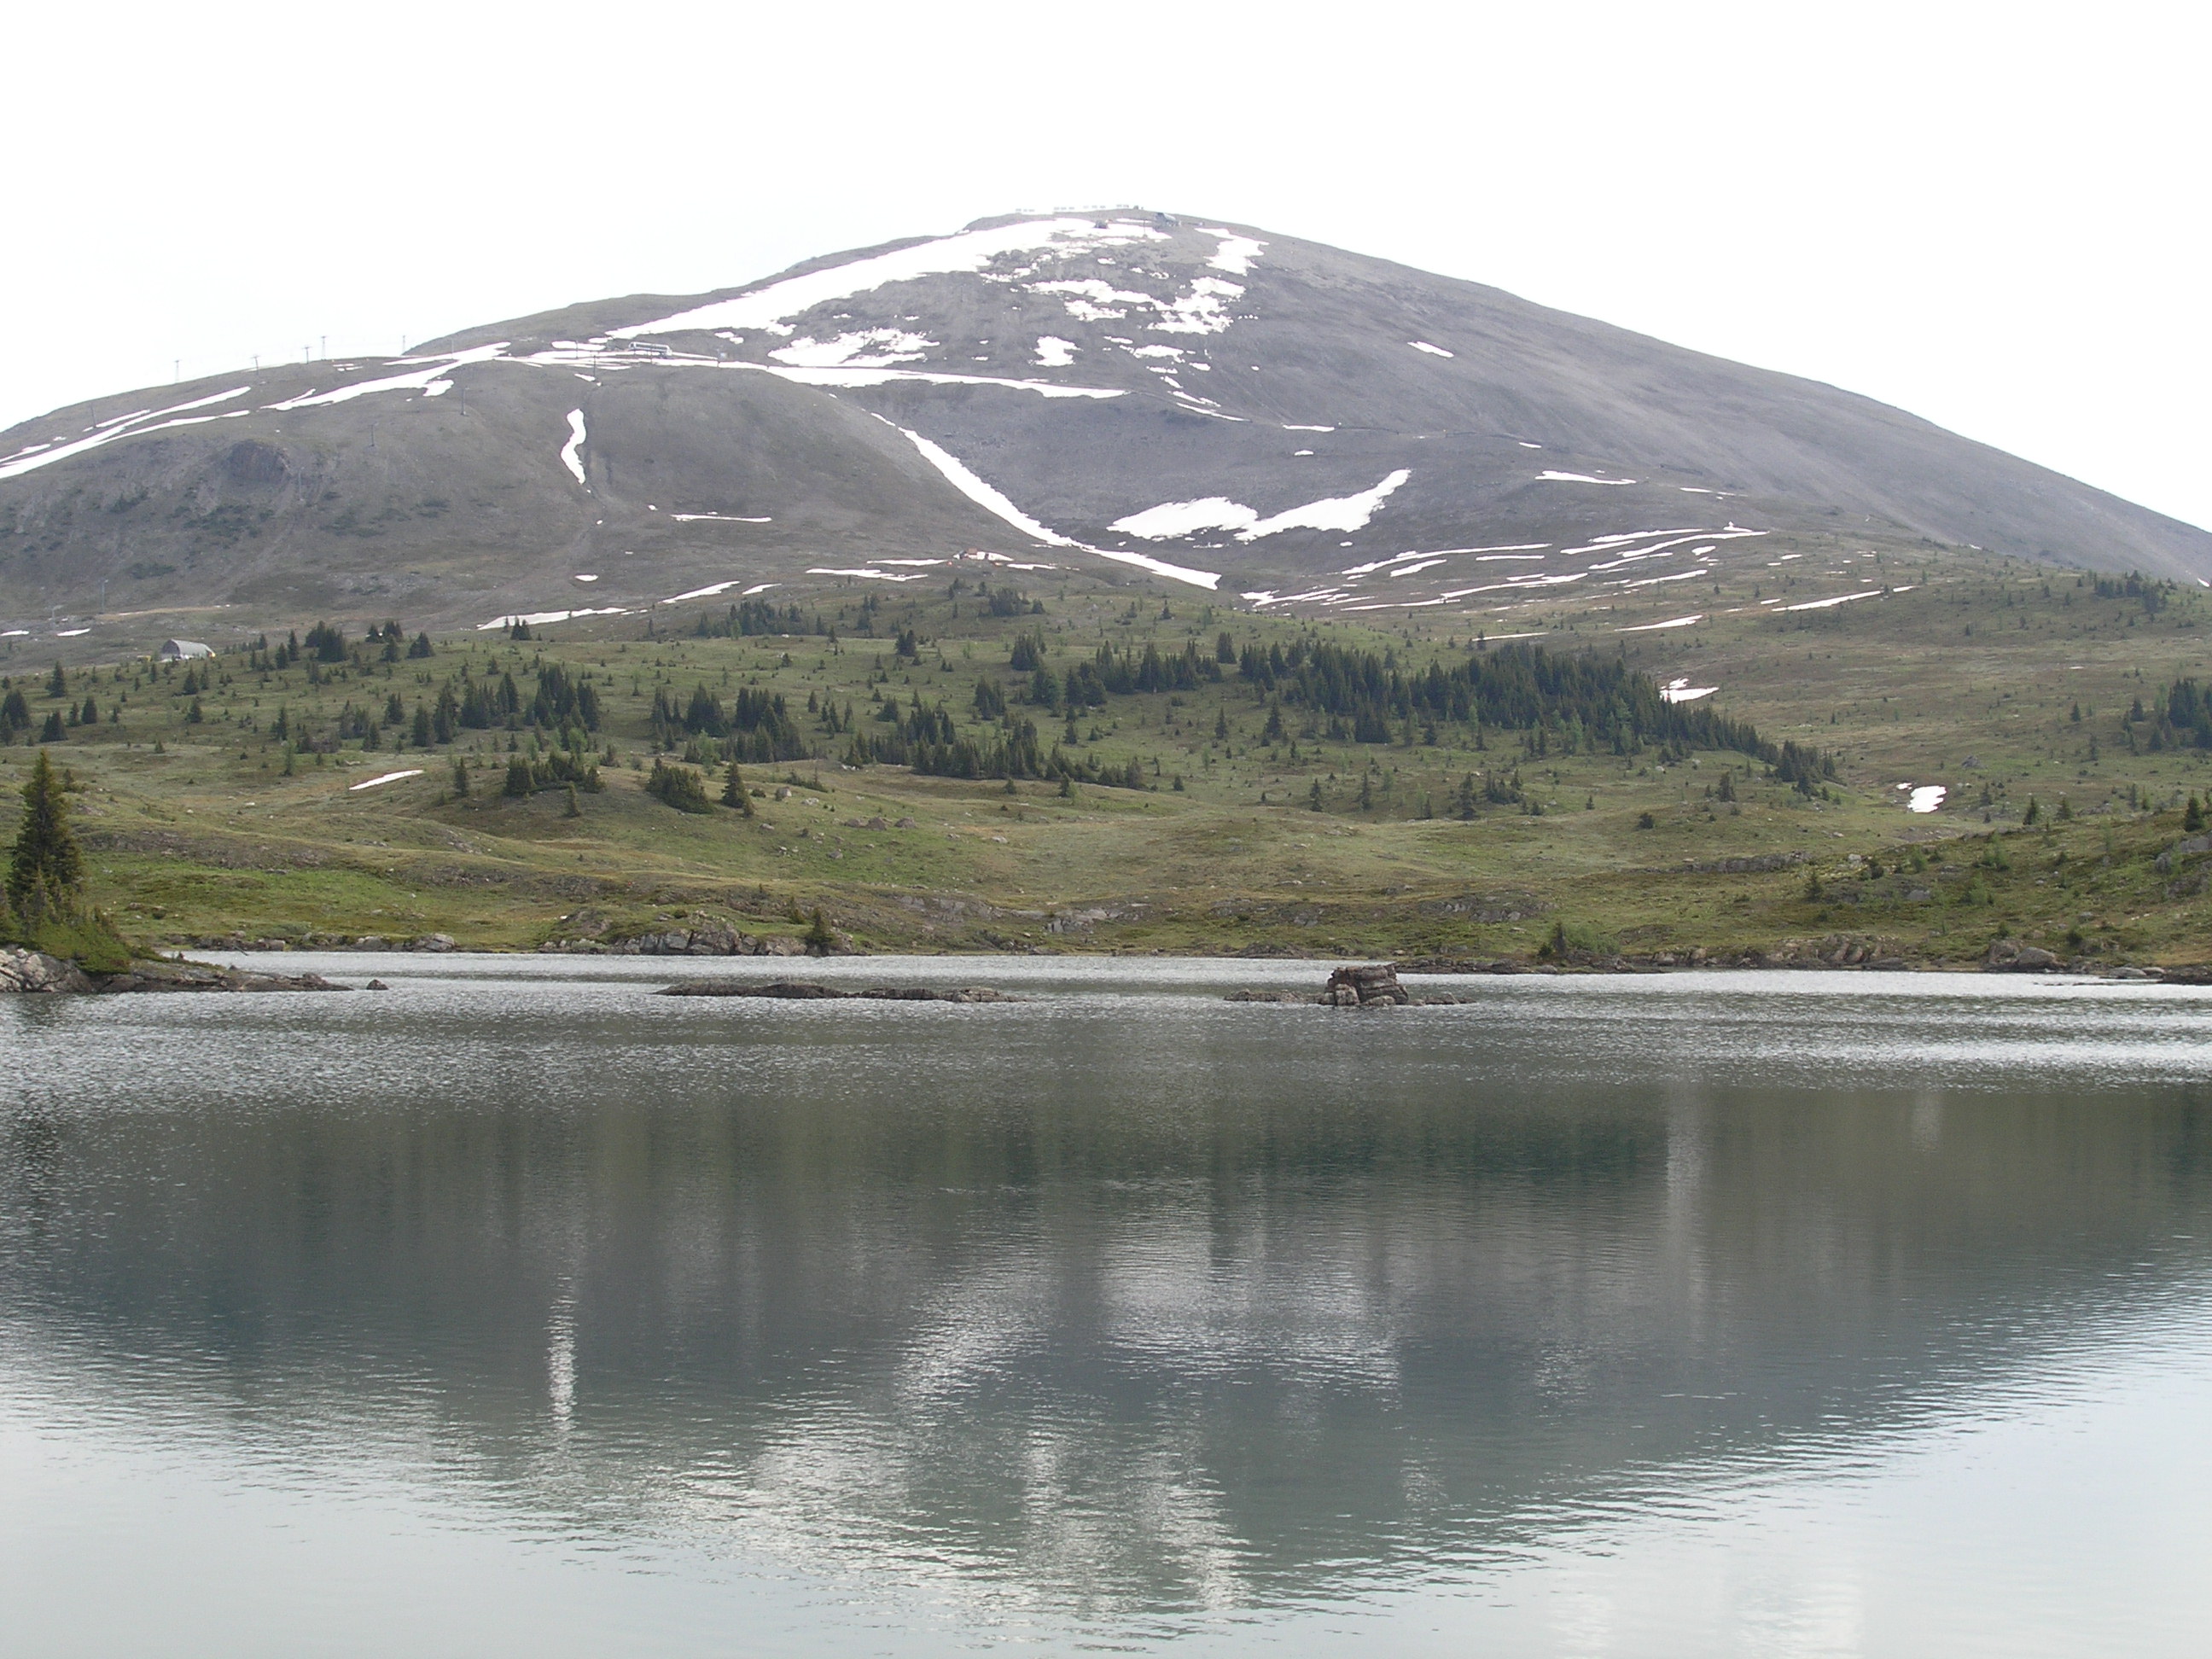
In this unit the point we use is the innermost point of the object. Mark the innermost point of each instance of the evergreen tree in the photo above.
(45, 872)
(58, 682)
(819, 938)
(460, 775)
(2032, 814)
(734, 792)
(517, 777)
(679, 786)
(571, 809)
(2193, 820)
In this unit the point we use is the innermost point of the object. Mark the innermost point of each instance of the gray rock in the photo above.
(2006, 956)
(1373, 986)
(35, 971)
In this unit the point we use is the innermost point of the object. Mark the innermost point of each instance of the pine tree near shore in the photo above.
(45, 872)
(734, 792)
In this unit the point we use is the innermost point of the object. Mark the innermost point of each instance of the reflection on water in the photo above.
(1124, 1316)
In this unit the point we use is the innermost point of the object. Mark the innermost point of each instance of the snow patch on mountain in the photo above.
(874, 348)
(1089, 301)
(1236, 253)
(968, 250)
(425, 380)
(568, 456)
(127, 426)
(1433, 350)
(956, 473)
(1549, 476)
(1053, 352)
(1202, 310)
(543, 618)
(884, 376)
(992, 501)
(1172, 519)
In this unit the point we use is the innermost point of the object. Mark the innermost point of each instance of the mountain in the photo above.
(1273, 421)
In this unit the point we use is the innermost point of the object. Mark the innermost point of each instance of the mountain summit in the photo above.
(1273, 421)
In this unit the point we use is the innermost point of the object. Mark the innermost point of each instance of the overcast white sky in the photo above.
(1993, 216)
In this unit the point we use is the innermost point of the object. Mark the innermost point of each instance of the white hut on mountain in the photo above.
(183, 650)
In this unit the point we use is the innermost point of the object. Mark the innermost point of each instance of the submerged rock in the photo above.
(205, 976)
(806, 990)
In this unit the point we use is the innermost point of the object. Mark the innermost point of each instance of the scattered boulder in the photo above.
(376, 985)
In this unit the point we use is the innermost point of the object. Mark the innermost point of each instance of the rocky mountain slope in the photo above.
(1276, 422)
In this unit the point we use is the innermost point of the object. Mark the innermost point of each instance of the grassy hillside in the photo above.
(232, 806)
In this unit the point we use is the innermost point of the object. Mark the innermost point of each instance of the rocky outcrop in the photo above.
(32, 970)
(2006, 956)
(203, 977)
(35, 971)
(1750, 865)
(1374, 985)
(713, 939)
(314, 941)
(801, 990)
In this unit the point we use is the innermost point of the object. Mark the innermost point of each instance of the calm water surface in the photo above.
(519, 1311)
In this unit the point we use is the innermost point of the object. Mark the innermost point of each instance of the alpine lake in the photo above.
(519, 1310)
